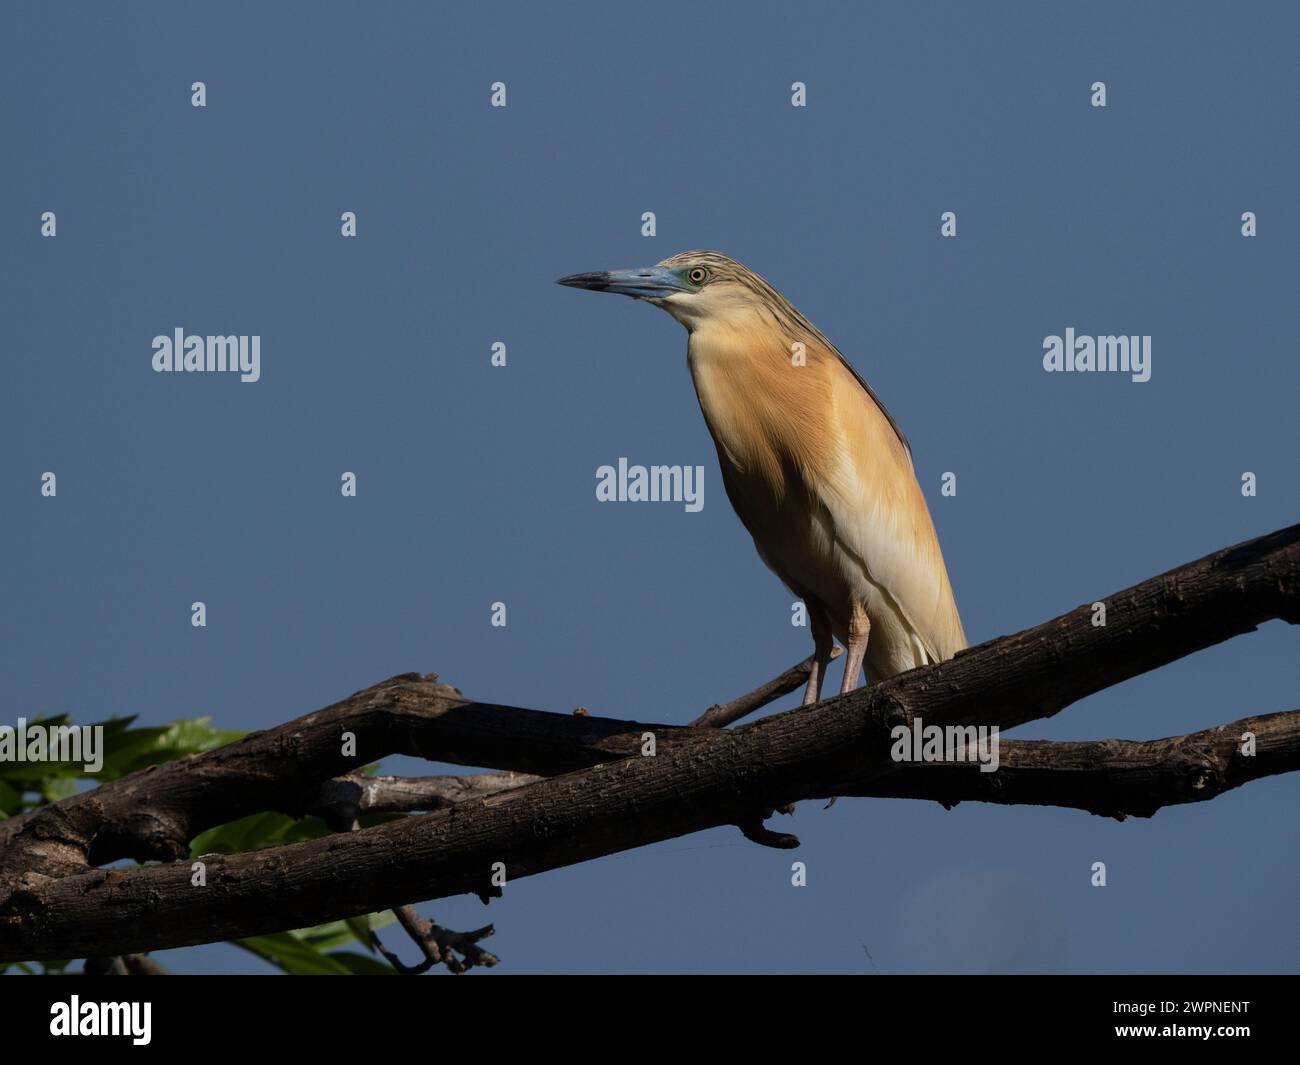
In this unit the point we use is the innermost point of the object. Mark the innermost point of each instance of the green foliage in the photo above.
(256, 831)
(11, 800)
(305, 951)
(47, 968)
(126, 749)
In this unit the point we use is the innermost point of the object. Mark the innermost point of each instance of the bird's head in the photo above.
(695, 287)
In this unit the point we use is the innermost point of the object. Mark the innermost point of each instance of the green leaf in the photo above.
(248, 833)
(33, 773)
(294, 956)
(324, 936)
(257, 831)
(11, 800)
(336, 933)
(199, 734)
(140, 748)
(125, 750)
(56, 788)
(361, 927)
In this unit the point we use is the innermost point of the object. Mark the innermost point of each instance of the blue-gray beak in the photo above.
(651, 282)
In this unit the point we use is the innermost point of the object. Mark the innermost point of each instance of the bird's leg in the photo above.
(859, 630)
(823, 644)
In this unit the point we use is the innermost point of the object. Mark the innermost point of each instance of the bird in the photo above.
(815, 467)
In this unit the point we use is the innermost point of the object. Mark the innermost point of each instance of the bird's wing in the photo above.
(882, 524)
(820, 339)
(871, 392)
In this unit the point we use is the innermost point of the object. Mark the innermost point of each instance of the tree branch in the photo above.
(356, 793)
(699, 779)
(438, 945)
(719, 716)
(1110, 778)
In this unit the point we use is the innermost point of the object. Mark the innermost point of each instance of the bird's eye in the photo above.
(697, 275)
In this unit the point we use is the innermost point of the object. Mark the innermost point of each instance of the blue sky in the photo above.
(476, 484)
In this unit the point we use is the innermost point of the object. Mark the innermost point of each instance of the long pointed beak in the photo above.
(651, 282)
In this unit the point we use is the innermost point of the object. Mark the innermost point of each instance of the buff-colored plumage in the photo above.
(818, 473)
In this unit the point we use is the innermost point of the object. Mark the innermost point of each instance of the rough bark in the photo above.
(607, 799)
(1110, 778)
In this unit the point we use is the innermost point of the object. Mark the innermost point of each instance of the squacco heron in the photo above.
(815, 467)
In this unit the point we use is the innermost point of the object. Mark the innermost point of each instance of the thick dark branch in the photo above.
(345, 797)
(1112, 778)
(708, 778)
(153, 814)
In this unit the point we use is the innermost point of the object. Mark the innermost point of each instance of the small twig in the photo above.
(438, 944)
(354, 794)
(722, 714)
(755, 830)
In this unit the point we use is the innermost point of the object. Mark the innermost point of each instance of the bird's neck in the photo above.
(752, 397)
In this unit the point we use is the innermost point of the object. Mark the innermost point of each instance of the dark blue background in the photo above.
(477, 484)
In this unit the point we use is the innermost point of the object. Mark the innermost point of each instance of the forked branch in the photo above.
(601, 796)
